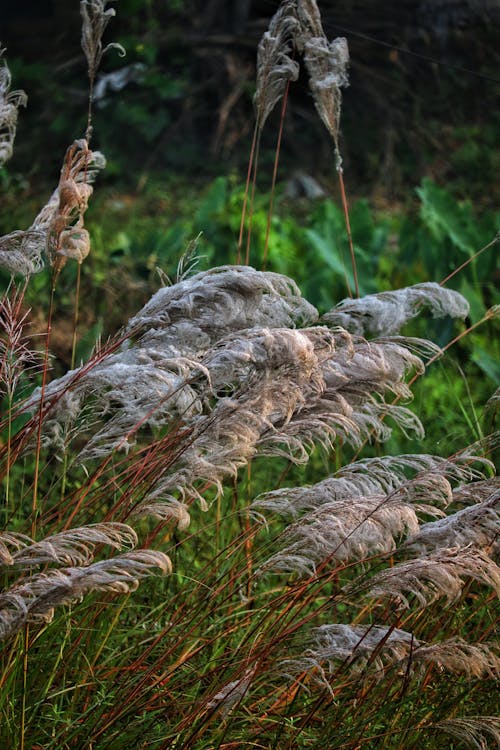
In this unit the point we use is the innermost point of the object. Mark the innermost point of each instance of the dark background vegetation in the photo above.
(424, 83)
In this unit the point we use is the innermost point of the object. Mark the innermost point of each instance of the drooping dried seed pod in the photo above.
(35, 598)
(57, 231)
(95, 18)
(384, 314)
(10, 101)
(275, 66)
(327, 63)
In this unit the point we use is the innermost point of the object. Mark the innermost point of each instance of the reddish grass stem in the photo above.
(252, 198)
(494, 241)
(245, 198)
(275, 173)
(349, 235)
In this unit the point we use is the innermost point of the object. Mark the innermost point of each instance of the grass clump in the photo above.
(317, 593)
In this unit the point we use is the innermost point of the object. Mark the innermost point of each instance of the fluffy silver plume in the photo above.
(73, 547)
(384, 314)
(410, 476)
(477, 732)
(352, 646)
(95, 18)
(134, 387)
(166, 511)
(165, 372)
(34, 599)
(477, 525)
(474, 660)
(275, 66)
(282, 402)
(10, 101)
(377, 648)
(195, 313)
(327, 64)
(440, 574)
(232, 694)
(197, 353)
(310, 21)
(343, 531)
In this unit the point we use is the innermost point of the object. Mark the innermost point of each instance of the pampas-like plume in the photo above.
(348, 517)
(95, 18)
(327, 64)
(173, 510)
(275, 67)
(475, 660)
(477, 525)
(57, 232)
(474, 731)
(10, 101)
(310, 20)
(137, 386)
(384, 314)
(354, 645)
(73, 547)
(351, 405)
(154, 379)
(196, 312)
(268, 371)
(284, 390)
(35, 599)
(407, 476)
(343, 531)
(439, 574)
(281, 404)
(379, 648)
(21, 251)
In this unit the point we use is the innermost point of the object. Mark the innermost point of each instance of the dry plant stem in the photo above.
(34, 505)
(275, 173)
(349, 234)
(493, 242)
(9, 451)
(460, 336)
(252, 198)
(245, 198)
(76, 315)
(88, 131)
(73, 357)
